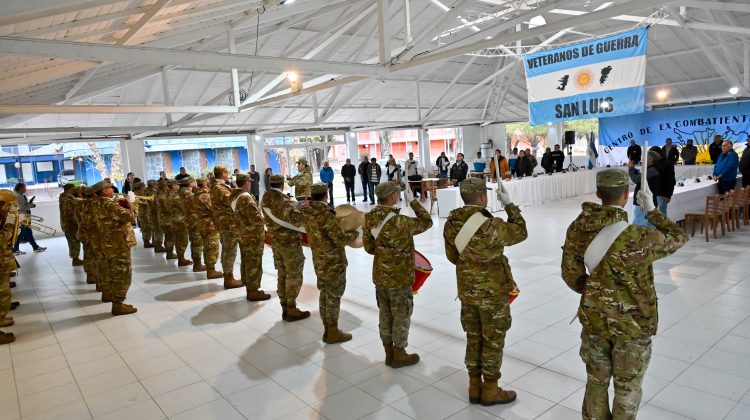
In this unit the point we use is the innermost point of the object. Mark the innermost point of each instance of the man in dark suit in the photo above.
(634, 152)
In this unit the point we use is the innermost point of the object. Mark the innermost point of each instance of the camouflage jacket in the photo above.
(113, 227)
(221, 203)
(67, 216)
(84, 213)
(248, 217)
(7, 260)
(177, 216)
(618, 300)
(393, 266)
(163, 208)
(186, 199)
(327, 239)
(147, 210)
(283, 208)
(302, 182)
(482, 271)
(204, 213)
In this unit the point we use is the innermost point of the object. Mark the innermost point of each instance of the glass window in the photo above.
(584, 130)
(525, 136)
(197, 155)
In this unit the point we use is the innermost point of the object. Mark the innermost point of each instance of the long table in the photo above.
(545, 188)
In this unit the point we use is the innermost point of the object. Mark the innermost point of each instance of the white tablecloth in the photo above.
(450, 199)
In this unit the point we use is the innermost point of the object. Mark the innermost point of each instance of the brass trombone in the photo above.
(34, 223)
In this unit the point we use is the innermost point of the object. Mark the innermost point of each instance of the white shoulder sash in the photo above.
(282, 223)
(236, 199)
(468, 230)
(601, 244)
(376, 230)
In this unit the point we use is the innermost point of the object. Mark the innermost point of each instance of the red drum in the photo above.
(513, 293)
(422, 270)
(267, 240)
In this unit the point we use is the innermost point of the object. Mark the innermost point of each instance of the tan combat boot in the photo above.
(475, 387)
(90, 279)
(401, 358)
(257, 295)
(335, 335)
(197, 266)
(148, 245)
(492, 394)
(171, 255)
(181, 262)
(211, 273)
(119, 308)
(159, 249)
(7, 322)
(230, 282)
(294, 314)
(106, 297)
(388, 347)
(77, 262)
(6, 338)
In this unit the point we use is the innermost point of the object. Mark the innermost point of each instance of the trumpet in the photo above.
(145, 198)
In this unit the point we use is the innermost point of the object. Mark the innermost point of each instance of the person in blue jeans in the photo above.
(24, 208)
(725, 170)
(373, 175)
(326, 175)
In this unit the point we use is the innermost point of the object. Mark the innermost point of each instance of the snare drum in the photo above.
(422, 270)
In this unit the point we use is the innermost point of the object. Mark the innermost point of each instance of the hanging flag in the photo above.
(591, 151)
(601, 78)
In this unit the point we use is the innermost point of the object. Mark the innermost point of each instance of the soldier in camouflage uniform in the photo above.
(179, 222)
(113, 220)
(327, 241)
(484, 281)
(204, 214)
(7, 263)
(285, 243)
(250, 231)
(164, 214)
(146, 212)
(221, 203)
(68, 223)
(158, 235)
(393, 268)
(83, 214)
(302, 182)
(188, 185)
(618, 308)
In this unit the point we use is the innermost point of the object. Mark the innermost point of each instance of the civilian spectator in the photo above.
(745, 164)
(504, 169)
(547, 164)
(129, 182)
(558, 159)
(254, 183)
(532, 158)
(183, 174)
(163, 175)
(725, 171)
(670, 152)
(364, 172)
(689, 153)
(373, 175)
(523, 165)
(666, 182)
(652, 177)
(267, 179)
(442, 163)
(479, 163)
(512, 158)
(24, 209)
(411, 166)
(391, 168)
(326, 176)
(459, 170)
(348, 172)
(715, 149)
(634, 152)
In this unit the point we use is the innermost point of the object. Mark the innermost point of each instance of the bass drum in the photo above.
(422, 270)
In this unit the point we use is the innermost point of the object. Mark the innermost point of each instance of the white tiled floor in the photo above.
(196, 351)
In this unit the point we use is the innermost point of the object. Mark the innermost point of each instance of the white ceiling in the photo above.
(450, 72)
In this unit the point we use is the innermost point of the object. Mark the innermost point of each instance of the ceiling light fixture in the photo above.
(662, 94)
(294, 81)
(734, 90)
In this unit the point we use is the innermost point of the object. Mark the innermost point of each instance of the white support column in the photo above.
(472, 142)
(256, 156)
(496, 132)
(352, 152)
(555, 135)
(423, 145)
(384, 48)
(133, 154)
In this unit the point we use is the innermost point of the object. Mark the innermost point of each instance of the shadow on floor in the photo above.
(175, 278)
(197, 292)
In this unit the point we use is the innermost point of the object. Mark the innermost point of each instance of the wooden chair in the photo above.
(742, 204)
(710, 214)
(728, 211)
(432, 191)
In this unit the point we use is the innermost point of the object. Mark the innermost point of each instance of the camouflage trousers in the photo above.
(485, 324)
(289, 262)
(196, 245)
(74, 245)
(118, 272)
(210, 240)
(626, 361)
(147, 229)
(228, 250)
(181, 238)
(89, 260)
(331, 289)
(396, 306)
(102, 274)
(158, 234)
(4, 294)
(251, 262)
(169, 238)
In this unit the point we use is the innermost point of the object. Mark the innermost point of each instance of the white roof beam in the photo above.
(434, 28)
(716, 5)
(112, 109)
(15, 11)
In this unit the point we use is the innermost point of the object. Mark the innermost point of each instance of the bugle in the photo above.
(42, 228)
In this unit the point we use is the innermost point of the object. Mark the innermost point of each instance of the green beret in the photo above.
(612, 178)
(302, 161)
(100, 186)
(385, 190)
(276, 179)
(319, 188)
(186, 181)
(242, 178)
(473, 185)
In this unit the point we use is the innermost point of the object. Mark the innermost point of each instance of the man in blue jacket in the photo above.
(725, 170)
(326, 175)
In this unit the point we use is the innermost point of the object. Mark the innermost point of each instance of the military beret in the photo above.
(219, 169)
(151, 182)
(609, 178)
(186, 181)
(242, 177)
(201, 181)
(68, 186)
(172, 182)
(138, 185)
(385, 190)
(302, 161)
(7, 196)
(100, 186)
(319, 188)
(276, 179)
(473, 185)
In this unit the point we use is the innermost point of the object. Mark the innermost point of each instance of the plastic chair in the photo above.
(710, 214)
